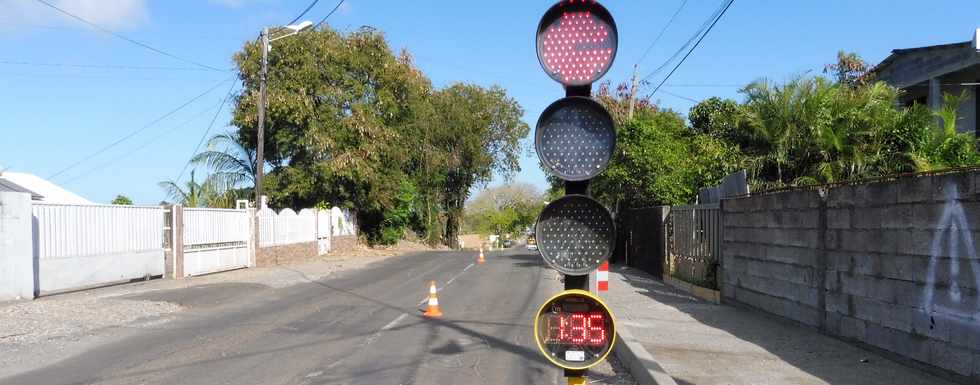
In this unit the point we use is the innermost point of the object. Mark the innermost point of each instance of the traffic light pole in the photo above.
(580, 282)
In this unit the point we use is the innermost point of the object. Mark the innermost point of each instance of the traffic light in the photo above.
(575, 139)
(576, 42)
(574, 330)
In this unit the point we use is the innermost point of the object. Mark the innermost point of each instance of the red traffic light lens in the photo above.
(577, 42)
(574, 329)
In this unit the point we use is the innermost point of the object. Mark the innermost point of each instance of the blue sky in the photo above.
(56, 115)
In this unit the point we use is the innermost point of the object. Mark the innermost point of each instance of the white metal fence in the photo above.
(86, 245)
(309, 225)
(78, 246)
(215, 240)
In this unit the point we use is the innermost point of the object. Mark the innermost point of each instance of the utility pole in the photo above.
(260, 138)
(629, 115)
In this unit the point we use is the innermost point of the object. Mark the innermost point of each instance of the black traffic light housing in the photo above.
(575, 139)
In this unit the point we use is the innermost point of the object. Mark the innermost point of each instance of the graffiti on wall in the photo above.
(953, 235)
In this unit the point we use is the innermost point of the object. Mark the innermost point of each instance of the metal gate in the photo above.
(695, 243)
(215, 240)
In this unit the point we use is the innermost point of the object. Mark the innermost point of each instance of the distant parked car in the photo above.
(532, 244)
(508, 243)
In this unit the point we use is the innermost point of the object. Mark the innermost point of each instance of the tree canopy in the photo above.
(505, 209)
(122, 200)
(349, 123)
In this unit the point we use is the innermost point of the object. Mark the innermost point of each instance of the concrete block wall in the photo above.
(903, 270)
(893, 264)
(769, 254)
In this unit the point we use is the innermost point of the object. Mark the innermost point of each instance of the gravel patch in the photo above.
(31, 322)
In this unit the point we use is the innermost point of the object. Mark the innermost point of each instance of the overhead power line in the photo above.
(304, 11)
(692, 100)
(335, 8)
(145, 144)
(206, 131)
(706, 32)
(662, 31)
(140, 129)
(123, 37)
(689, 42)
(101, 66)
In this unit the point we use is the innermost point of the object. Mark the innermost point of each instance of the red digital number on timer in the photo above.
(577, 329)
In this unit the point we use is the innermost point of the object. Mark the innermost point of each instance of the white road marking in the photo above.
(393, 322)
(450, 281)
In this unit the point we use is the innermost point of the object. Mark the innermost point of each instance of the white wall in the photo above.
(87, 245)
(16, 247)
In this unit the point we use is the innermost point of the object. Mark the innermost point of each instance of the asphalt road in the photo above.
(359, 327)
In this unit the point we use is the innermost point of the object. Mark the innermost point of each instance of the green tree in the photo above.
(659, 161)
(505, 209)
(122, 200)
(339, 108)
(231, 163)
(479, 131)
(722, 119)
(849, 70)
(943, 147)
(194, 194)
(353, 125)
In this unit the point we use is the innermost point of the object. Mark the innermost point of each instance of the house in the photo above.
(40, 189)
(926, 73)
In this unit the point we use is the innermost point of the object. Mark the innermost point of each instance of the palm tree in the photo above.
(196, 195)
(232, 164)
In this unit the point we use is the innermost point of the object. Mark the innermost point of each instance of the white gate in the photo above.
(323, 232)
(215, 240)
(79, 246)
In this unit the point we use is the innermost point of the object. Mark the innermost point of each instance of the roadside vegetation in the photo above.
(805, 131)
(351, 124)
(509, 209)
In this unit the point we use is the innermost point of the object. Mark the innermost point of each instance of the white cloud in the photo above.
(112, 14)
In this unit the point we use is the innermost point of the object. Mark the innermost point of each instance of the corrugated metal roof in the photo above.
(6, 185)
(902, 51)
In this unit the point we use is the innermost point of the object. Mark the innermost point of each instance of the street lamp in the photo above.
(260, 140)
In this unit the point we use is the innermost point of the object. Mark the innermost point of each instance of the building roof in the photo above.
(903, 51)
(8, 186)
(45, 190)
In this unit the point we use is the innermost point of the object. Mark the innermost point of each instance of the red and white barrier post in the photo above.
(602, 277)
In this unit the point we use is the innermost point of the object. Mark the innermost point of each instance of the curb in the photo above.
(645, 370)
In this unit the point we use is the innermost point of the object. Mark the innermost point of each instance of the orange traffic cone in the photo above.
(480, 259)
(433, 310)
